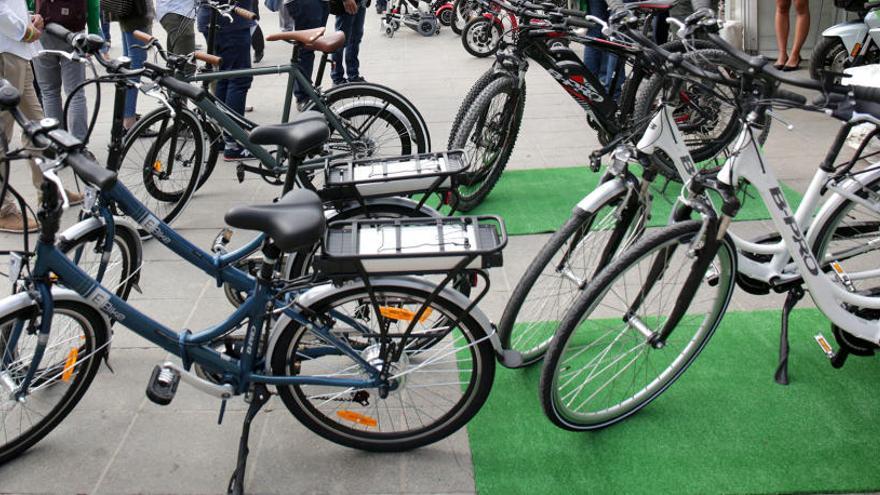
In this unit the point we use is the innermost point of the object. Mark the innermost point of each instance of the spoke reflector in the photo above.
(357, 418)
(70, 364)
(403, 313)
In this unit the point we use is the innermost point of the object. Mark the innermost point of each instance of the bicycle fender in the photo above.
(836, 200)
(24, 300)
(84, 227)
(395, 201)
(599, 196)
(849, 32)
(316, 294)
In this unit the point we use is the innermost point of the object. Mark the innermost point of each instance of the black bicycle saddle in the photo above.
(295, 222)
(304, 133)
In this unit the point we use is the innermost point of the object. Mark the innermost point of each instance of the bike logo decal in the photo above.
(153, 226)
(575, 85)
(803, 249)
(688, 164)
(102, 300)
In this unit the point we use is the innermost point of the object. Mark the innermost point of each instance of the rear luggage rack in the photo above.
(380, 177)
(412, 245)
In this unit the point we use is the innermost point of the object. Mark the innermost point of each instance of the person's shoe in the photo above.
(339, 82)
(356, 79)
(237, 155)
(258, 56)
(73, 198)
(16, 223)
(248, 109)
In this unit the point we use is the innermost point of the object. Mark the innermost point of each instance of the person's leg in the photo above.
(18, 72)
(181, 35)
(307, 14)
(138, 56)
(344, 24)
(592, 56)
(801, 30)
(47, 68)
(285, 22)
(353, 44)
(782, 25)
(234, 49)
(72, 75)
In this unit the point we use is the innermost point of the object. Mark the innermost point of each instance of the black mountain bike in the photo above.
(489, 118)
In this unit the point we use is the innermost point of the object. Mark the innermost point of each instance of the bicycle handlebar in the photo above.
(247, 14)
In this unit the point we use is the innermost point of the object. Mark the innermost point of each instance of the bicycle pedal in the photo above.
(163, 385)
(239, 172)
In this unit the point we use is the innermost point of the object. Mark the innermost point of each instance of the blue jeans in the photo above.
(234, 47)
(345, 60)
(600, 62)
(307, 14)
(138, 56)
(105, 30)
(55, 71)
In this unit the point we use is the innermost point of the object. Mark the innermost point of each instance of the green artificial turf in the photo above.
(724, 427)
(540, 200)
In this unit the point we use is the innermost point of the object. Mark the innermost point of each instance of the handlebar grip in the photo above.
(247, 14)
(90, 170)
(784, 94)
(208, 58)
(578, 22)
(572, 12)
(60, 31)
(866, 93)
(182, 88)
(143, 37)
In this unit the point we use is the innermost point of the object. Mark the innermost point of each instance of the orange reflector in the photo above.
(70, 364)
(157, 165)
(403, 314)
(357, 418)
(856, 49)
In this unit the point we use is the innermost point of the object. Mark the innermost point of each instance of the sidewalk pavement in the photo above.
(116, 441)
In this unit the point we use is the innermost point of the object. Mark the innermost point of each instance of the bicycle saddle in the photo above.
(304, 36)
(651, 5)
(329, 43)
(295, 222)
(302, 134)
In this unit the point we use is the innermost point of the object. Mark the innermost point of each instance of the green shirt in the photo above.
(93, 15)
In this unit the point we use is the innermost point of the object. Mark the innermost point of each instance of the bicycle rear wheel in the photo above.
(488, 134)
(434, 391)
(562, 269)
(77, 342)
(601, 367)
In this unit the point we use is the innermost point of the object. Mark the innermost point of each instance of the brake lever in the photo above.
(154, 91)
(52, 176)
(788, 125)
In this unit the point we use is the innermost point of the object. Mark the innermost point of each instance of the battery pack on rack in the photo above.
(412, 245)
(380, 177)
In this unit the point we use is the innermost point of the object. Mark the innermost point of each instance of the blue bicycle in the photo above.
(369, 358)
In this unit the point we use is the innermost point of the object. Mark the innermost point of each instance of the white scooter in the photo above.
(849, 44)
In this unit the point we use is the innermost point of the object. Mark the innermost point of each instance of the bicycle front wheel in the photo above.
(488, 134)
(601, 367)
(433, 391)
(562, 269)
(77, 342)
(162, 171)
(115, 266)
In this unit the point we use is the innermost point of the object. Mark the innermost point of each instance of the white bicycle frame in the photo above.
(748, 162)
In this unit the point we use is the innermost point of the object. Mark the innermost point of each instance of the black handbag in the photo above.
(123, 9)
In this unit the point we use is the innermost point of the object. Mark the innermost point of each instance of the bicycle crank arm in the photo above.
(224, 391)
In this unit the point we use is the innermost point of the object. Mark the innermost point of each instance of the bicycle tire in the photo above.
(472, 37)
(472, 384)
(701, 150)
(651, 258)
(501, 133)
(581, 247)
(214, 143)
(467, 102)
(461, 14)
(92, 345)
(383, 97)
(132, 171)
(829, 54)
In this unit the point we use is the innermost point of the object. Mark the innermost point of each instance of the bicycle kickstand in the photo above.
(261, 395)
(794, 295)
